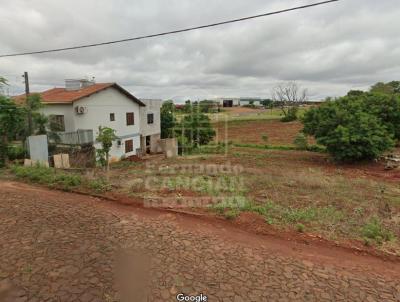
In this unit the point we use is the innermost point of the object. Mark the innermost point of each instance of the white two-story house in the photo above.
(85, 105)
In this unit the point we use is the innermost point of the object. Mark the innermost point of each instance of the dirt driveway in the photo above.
(57, 246)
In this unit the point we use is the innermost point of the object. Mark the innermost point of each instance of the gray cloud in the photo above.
(330, 49)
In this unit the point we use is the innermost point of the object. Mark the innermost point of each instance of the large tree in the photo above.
(355, 127)
(386, 88)
(195, 129)
(287, 95)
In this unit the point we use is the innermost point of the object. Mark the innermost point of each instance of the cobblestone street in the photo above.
(57, 246)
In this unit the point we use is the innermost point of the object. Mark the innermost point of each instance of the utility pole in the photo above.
(25, 76)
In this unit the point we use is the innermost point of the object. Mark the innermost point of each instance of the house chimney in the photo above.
(76, 84)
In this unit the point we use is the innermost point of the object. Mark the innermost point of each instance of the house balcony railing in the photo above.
(79, 137)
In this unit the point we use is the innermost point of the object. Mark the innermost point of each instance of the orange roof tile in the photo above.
(63, 96)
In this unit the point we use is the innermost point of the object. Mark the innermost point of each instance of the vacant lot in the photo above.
(290, 191)
(283, 192)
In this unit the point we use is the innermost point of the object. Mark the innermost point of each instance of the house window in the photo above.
(150, 118)
(57, 123)
(130, 118)
(112, 117)
(128, 146)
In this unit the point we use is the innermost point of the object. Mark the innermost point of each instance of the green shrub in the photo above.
(349, 129)
(316, 148)
(38, 174)
(376, 231)
(291, 115)
(300, 227)
(47, 176)
(67, 181)
(300, 141)
(294, 215)
(231, 214)
(99, 185)
(16, 152)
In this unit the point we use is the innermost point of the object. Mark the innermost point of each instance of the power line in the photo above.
(168, 32)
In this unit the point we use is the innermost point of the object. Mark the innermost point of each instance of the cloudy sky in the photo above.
(329, 49)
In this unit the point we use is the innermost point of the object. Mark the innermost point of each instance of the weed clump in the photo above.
(374, 230)
(47, 176)
(100, 185)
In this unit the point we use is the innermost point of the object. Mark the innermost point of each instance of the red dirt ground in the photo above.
(299, 160)
(246, 229)
(250, 132)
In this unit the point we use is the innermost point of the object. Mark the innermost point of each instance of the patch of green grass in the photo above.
(311, 148)
(270, 147)
(300, 227)
(99, 185)
(374, 230)
(67, 181)
(281, 215)
(124, 164)
(293, 215)
(231, 214)
(47, 176)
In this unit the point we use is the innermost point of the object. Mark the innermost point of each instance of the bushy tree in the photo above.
(207, 106)
(12, 119)
(355, 93)
(350, 129)
(386, 108)
(386, 88)
(188, 107)
(40, 122)
(300, 141)
(167, 119)
(291, 115)
(196, 128)
(267, 103)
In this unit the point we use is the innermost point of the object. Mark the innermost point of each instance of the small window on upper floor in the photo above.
(150, 118)
(130, 119)
(57, 123)
(112, 117)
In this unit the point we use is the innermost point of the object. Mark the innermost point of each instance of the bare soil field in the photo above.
(251, 132)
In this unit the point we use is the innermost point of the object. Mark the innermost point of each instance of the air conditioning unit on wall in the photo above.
(80, 110)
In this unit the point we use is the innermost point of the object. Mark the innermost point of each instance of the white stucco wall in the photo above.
(61, 109)
(245, 102)
(152, 106)
(98, 108)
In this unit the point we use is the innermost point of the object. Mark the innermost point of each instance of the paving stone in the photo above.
(63, 247)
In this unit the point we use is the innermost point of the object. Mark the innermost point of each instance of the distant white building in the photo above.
(249, 100)
(85, 105)
(242, 101)
(228, 102)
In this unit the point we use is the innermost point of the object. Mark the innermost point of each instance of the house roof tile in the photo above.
(63, 96)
